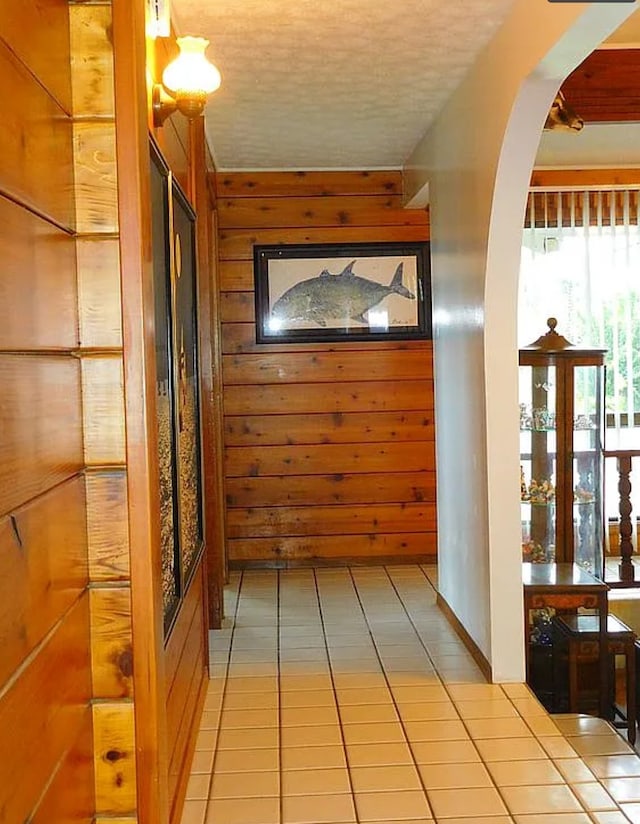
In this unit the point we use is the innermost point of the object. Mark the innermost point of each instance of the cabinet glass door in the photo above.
(587, 468)
(538, 462)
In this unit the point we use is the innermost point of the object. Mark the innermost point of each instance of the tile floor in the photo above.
(343, 695)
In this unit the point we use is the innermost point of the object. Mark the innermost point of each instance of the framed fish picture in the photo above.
(340, 292)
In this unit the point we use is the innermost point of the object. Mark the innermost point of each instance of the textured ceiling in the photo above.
(339, 84)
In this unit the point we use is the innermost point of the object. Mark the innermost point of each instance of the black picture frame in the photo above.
(342, 292)
(178, 412)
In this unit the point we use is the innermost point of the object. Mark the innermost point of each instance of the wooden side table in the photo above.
(581, 636)
(567, 587)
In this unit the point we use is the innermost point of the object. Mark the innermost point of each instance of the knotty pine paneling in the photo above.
(111, 643)
(95, 177)
(307, 398)
(107, 525)
(237, 244)
(339, 488)
(41, 427)
(91, 60)
(306, 184)
(337, 210)
(329, 448)
(324, 367)
(43, 712)
(44, 563)
(38, 305)
(103, 397)
(375, 547)
(313, 459)
(38, 33)
(70, 796)
(114, 757)
(100, 310)
(325, 428)
(35, 143)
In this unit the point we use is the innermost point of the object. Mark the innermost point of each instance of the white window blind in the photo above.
(581, 264)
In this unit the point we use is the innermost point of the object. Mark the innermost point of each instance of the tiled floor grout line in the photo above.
(335, 695)
(382, 600)
(222, 698)
(393, 698)
(473, 740)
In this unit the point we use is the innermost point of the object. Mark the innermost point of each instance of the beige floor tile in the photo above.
(250, 701)
(413, 680)
(483, 819)
(632, 811)
(593, 796)
(232, 739)
(542, 726)
(202, 761)
(383, 807)
(545, 818)
(529, 707)
(239, 785)
(556, 746)
(248, 761)
(308, 716)
(574, 770)
(297, 669)
(371, 755)
(317, 809)
(364, 680)
(193, 812)
(444, 752)
(248, 718)
(206, 739)
(368, 714)
(497, 728)
(428, 711)
(258, 684)
(370, 695)
(411, 695)
(290, 683)
(254, 656)
(624, 790)
(582, 725)
(307, 758)
(198, 786)
(210, 719)
(535, 800)
(310, 736)
(373, 733)
(493, 708)
(243, 811)
(315, 782)
(307, 698)
(599, 745)
(613, 766)
(213, 701)
(448, 730)
(475, 692)
(510, 749)
(451, 776)
(522, 773)
(458, 802)
(609, 818)
(384, 779)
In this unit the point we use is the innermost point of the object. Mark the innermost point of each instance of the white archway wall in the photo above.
(477, 160)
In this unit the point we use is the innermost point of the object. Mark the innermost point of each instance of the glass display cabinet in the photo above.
(561, 452)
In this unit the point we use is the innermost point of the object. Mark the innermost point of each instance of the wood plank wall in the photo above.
(100, 355)
(329, 447)
(45, 673)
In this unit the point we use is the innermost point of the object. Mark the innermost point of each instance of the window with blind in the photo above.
(581, 264)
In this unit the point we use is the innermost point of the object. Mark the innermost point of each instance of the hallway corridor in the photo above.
(343, 695)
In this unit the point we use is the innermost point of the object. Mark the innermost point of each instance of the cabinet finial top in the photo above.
(551, 341)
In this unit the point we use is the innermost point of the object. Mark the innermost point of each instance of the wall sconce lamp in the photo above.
(186, 82)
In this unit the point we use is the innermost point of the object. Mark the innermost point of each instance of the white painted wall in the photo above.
(476, 160)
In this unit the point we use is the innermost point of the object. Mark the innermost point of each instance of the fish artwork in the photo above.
(336, 297)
